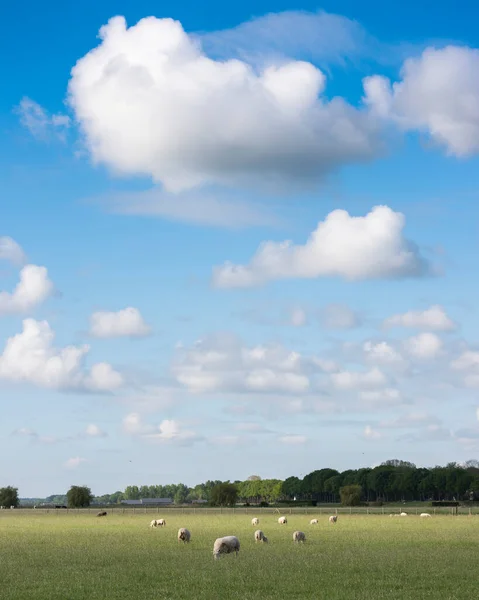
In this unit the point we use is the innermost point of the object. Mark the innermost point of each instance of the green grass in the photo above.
(73, 557)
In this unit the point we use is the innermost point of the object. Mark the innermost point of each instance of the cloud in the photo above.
(382, 353)
(319, 36)
(433, 318)
(214, 208)
(41, 124)
(424, 346)
(168, 431)
(293, 440)
(353, 380)
(30, 357)
(11, 251)
(222, 363)
(74, 463)
(339, 316)
(468, 363)
(353, 248)
(150, 102)
(431, 433)
(33, 288)
(371, 434)
(298, 317)
(415, 419)
(438, 94)
(123, 323)
(381, 398)
(93, 431)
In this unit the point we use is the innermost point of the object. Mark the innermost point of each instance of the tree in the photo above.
(254, 478)
(9, 496)
(181, 493)
(224, 494)
(79, 496)
(350, 495)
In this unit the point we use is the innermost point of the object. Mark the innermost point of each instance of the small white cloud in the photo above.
(94, 431)
(353, 248)
(382, 353)
(126, 322)
(168, 431)
(11, 251)
(438, 94)
(434, 318)
(41, 124)
(352, 380)
(293, 439)
(384, 397)
(31, 357)
(339, 316)
(298, 317)
(371, 434)
(33, 288)
(424, 346)
(74, 463)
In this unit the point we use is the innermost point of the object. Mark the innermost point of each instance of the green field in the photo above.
(73, 557)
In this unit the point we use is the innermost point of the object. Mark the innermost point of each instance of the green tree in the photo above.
(350, 495)
(224, 494)
(9, 496)
(181, 493)
(79, 496)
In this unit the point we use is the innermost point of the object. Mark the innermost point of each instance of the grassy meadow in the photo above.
(80, 556)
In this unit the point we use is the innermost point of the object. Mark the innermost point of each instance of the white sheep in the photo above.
(184, 535)
(282, 520)
(313, 522)
(226, 545)
(298, 536)
(160, 522)
(424, 515)
(403, 514)
(259, 536)
(255, 521)
(333, 518)
(153, 523)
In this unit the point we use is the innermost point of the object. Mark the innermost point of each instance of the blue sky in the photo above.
(154, 336)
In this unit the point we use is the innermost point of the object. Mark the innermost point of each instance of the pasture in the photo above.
(82, 557)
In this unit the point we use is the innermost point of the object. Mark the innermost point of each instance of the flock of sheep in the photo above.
(230, 543)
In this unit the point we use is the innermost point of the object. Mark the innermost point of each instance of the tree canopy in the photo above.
(79, 496)
(9, 496)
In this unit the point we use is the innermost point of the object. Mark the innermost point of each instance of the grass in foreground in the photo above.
(73, 557)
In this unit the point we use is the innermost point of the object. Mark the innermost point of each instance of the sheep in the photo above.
(160, 522)
(153, 523)
(313, 522)
(184, 535)
(255, 521)
(403, 514)
(282, 520)
(102, 513)
(333, 518)
(259, 536)
(424, 515)
(226, 545)
(298, 536)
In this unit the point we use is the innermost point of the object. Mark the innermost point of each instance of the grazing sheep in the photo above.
(298, 536)
(403, 514)
(153, 523)
(282, 520)
(255, 521)
(226, 545)
(424, 515)
(313, 522)
(160, 522)
(259, 536)
(102, 513)
(184, 535)
(333, 518)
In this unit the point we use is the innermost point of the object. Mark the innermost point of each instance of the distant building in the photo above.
(148, 502)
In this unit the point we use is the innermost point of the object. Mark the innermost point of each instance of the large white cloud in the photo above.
(424, 346)
(150, 102)
(433, 318)
(223, 364)
(126, 322)
(12, 251)
(438, 94)
(33, 288)
(354, 248)
(31, 357)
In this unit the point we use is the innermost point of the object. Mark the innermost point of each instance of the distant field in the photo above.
(78, 556)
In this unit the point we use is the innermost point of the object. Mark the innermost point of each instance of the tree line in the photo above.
(391, 481)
